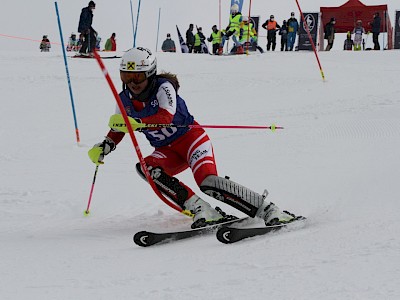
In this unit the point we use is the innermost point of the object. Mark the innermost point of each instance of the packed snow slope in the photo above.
(336, 162)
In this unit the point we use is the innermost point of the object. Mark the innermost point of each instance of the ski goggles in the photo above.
(133, 77)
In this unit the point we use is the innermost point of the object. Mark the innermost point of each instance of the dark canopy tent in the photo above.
(347, 15)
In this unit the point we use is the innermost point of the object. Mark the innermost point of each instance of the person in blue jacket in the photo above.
(293, 27)
(151, 98)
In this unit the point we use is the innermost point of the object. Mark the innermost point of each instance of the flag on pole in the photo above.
(184, 47)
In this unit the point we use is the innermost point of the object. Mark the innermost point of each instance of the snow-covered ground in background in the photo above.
(336, 162)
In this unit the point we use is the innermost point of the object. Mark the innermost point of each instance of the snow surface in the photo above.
(335, 162)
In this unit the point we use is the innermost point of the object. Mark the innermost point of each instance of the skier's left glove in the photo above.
(117, 123)
(97, 153)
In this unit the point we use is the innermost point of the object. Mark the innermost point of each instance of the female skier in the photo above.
(150, 98)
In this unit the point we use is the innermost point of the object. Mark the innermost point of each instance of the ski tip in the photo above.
(224, 235)
(141, 238)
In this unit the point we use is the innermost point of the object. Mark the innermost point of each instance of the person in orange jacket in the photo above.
(272, 27)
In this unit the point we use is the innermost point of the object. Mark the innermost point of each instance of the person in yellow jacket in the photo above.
(234, 29)
(199, 39)
(216, 39)
(249, 37)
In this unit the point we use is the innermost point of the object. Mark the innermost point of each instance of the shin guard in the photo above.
(170, 186)
(233, 194)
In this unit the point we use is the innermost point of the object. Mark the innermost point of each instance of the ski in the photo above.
(147, 238)
(230, 235)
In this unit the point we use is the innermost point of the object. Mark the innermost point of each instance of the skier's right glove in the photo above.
(97, 153)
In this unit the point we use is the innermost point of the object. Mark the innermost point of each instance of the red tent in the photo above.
(347, 15)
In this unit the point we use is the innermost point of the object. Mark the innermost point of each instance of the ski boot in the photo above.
(204, 214)
(272, 215)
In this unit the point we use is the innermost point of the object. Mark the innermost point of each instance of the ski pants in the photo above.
(89, 42)
(291, 40)
(192, 150)
(271, 37)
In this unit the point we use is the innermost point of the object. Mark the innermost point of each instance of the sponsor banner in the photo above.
(397, 30)
(184, 47)
(311, 19)
(238, 2)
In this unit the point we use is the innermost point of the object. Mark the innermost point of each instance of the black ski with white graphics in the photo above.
(230, 235)
(146, 238)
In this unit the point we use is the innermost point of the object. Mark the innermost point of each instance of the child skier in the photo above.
(358, 31)
(151, 98)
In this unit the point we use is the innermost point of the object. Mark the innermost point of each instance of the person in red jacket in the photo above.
(111, 44)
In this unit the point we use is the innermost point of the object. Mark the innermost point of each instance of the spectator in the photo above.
(283, 32)
(348, 43)
(45, 44)
(199, 39)
(329, 33)
(376, 29)
(86, 29)
(293, 27)
(98, 41)
(216, 39)
(190, 38)
(111, 43)
(168, 45)
(234, 29)
(249, 35)
(358, 31)
(272, 27)
(72, 43)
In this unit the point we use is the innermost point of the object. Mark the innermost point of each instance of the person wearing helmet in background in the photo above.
(151, 98)
(216, 39)
(45, 44)
(233, 29)
(348, 43)
(358, 31)
(272, 27)
(283, 32)
(293, 27)
(249, 35)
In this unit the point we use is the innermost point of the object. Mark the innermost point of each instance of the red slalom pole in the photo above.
(133, 138)
(311, 40)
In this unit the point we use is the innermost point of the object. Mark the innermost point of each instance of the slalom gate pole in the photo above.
(86, 212)
(133, 26)
(158, 27)
(303, 20)
(67, 71)
(133, 138)
(137, 23)
(248, 30)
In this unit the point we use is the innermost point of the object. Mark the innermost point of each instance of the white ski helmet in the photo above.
(234, 8)
(138, 60)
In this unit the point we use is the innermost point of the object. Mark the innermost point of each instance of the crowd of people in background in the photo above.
(240, 29)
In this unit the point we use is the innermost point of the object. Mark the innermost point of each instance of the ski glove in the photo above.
(117, 123)
(96, 154)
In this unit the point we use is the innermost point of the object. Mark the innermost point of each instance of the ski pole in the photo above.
(86, 212)
(273, 127)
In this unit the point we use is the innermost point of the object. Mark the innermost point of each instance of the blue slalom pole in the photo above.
(137, 23)
(133, 26)
(158, 28)
(66, 70)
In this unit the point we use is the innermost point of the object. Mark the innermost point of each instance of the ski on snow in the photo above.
(147, 238)
(230, 235)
